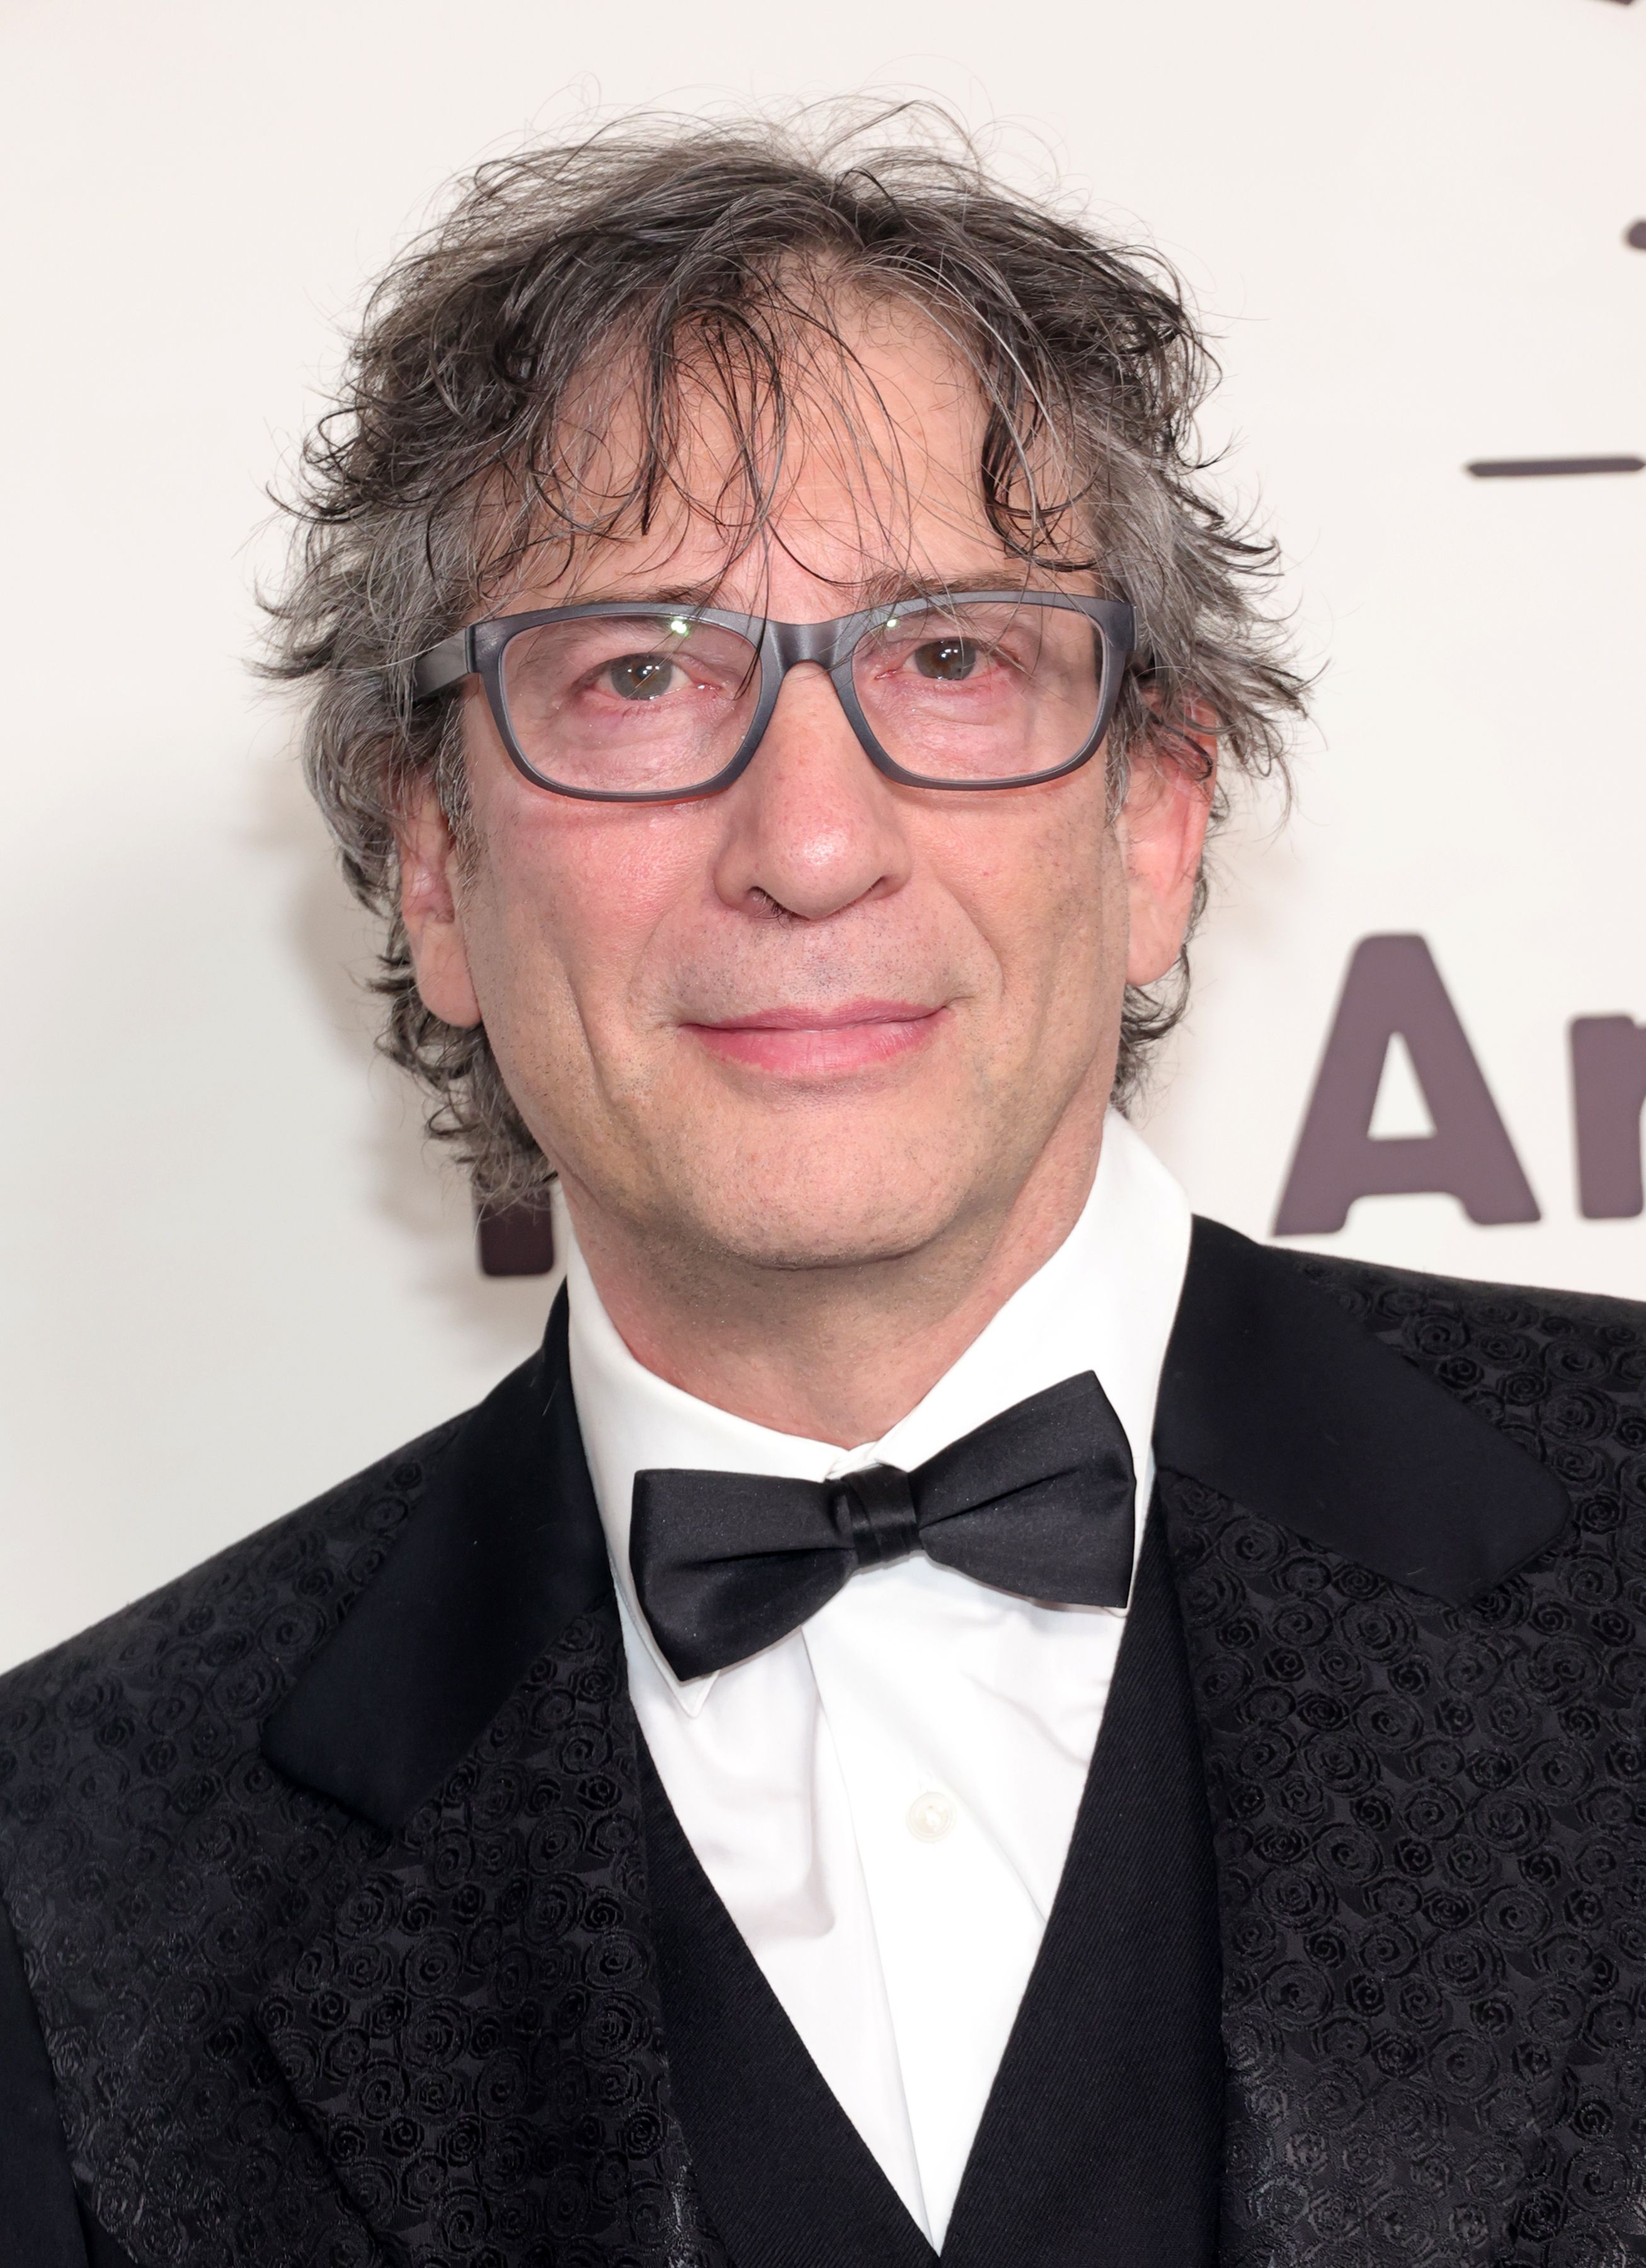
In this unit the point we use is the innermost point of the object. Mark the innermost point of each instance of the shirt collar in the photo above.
(1105, 1301)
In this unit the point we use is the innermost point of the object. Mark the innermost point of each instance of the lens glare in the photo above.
(630, 704)
(982, 690)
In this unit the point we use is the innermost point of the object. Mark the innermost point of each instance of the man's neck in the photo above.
(834, 1354)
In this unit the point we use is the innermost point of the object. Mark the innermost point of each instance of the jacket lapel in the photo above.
(1274, 1395)
(1391, 1779)
(504, 1552)
(476, 2037)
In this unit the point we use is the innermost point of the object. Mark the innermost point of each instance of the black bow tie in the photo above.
(1038, 1501)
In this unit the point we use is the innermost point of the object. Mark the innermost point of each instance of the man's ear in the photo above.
(1161, 828)
(429, 862)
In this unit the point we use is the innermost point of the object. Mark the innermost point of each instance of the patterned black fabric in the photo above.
(283, 2036)
(1432, 1836)
(101, 2251)
(38, 2220)
(155, 1868)
(478, 2035)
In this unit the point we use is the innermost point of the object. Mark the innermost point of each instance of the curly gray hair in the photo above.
(665, 246)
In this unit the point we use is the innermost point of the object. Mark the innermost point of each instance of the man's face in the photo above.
(818, 1018)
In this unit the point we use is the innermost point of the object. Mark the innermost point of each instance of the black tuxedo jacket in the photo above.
(346, 1922)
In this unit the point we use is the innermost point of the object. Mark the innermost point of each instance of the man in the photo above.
(949, 1710)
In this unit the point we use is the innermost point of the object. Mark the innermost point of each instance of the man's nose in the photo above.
(811, 826)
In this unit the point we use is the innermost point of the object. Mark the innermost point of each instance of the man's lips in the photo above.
(799, 1041)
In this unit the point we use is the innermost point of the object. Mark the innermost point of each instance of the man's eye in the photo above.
(950, 658)
(640, 676)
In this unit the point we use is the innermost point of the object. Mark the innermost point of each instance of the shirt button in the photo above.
(930, 1816)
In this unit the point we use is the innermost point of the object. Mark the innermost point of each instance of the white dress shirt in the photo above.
(884, 1800)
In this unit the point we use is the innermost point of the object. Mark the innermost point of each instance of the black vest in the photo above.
(1101, 2138)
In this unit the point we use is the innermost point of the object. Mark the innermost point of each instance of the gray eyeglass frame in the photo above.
(477, 651)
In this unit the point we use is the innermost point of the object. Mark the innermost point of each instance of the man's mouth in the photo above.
(798, 1043)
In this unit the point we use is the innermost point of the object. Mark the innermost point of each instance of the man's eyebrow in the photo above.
(690, 596)
(1006, 574)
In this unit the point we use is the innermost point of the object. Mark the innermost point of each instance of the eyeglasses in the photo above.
(651, 703)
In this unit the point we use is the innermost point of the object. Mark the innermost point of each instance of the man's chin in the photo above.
(790, 1224)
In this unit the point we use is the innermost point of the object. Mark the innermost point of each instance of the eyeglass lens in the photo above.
(654, 704)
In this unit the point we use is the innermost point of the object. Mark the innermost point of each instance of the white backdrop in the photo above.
(230, 1272)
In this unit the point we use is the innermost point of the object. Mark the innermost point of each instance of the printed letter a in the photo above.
(1393, 985)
